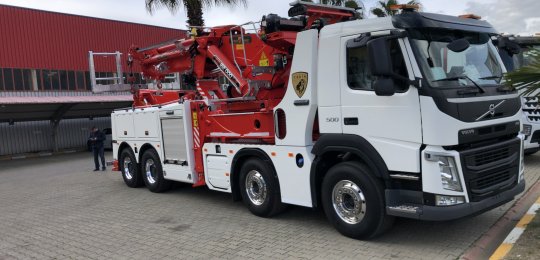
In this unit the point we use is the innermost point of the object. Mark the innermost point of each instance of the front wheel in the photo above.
(353, 201)
(152, 172)
(260, 189)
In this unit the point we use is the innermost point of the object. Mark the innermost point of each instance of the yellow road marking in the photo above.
(538, 200)
(525, 220)
(501, 251)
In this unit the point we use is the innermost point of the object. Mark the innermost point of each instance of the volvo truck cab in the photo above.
(516, 52)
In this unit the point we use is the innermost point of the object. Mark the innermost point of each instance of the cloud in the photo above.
(517, 17)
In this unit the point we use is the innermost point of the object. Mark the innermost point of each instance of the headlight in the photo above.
(449, 174)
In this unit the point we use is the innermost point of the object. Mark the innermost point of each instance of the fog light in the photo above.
(443, 200)
(527, 129)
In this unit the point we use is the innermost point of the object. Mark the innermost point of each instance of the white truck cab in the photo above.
(516, 52)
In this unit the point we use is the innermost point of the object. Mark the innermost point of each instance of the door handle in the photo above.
(350, 120)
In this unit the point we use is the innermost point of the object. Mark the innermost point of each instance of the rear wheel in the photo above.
(153, 172)
(353, 201)
(129, 168)
(259, 188)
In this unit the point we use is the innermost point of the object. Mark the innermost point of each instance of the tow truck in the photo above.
(368, 119)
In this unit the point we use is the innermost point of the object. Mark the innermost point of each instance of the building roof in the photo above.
(14, 109)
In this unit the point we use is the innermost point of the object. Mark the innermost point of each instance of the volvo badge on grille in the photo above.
(491, 110)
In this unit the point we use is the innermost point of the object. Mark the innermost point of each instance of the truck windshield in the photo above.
(444, 68)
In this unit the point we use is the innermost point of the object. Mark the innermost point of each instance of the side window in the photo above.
(358, 72)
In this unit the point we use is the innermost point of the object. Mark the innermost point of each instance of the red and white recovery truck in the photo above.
(369, 119)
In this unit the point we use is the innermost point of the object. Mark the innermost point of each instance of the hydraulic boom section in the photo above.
(255, 60)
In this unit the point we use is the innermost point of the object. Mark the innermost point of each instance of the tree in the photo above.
(193, 8)
(526, 78)
(384, 8)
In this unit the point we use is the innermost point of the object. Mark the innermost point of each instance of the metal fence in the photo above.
(27, 137)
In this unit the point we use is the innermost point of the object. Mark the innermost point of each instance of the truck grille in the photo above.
(490, 156)
(490, 180)
(492, 169)
(530, 108)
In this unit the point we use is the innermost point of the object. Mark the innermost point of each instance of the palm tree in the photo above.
(526, 78)
(385, 10)
(194, 8)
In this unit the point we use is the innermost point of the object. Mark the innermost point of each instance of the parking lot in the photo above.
(56, 207)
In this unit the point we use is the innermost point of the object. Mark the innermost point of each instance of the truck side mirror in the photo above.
(384, 87)
(379, 58)
(380, 64)
(509, 46)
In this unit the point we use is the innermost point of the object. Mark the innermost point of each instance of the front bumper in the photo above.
(442, 213)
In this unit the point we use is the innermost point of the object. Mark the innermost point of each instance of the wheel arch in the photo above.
(331, 149)
(145, 147)
(239, 159)
(121, 147)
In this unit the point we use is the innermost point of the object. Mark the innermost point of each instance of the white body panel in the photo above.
(218, 171)
(300, 118)
(146, 124)
(391, 124)
(294, 182)
(148, 131)
(441, 129)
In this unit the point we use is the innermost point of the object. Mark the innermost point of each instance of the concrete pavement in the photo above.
(57, 208)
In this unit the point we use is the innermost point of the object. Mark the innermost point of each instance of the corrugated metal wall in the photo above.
(59, 93)
(48, 40)
(27, 137)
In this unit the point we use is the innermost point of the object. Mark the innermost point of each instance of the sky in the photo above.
(508, 16)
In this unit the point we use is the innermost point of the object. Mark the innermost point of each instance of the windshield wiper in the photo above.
(461, 77)
(492, 77)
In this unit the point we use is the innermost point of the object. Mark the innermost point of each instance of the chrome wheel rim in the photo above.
(150, 169)
(349, 202)
(128, 168)
(256, 188)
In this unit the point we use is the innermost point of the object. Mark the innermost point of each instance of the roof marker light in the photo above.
(405, 7)
(470, 16)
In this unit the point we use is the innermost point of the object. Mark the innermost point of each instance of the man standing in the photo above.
(96, 140)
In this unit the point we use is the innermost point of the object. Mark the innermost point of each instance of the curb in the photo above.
(514, 235)
(490, 241)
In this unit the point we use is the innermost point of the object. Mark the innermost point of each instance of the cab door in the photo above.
(391, 124)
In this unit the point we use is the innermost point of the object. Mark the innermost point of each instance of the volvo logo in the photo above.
(491, 110)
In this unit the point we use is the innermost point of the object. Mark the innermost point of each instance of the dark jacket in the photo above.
(99, 138)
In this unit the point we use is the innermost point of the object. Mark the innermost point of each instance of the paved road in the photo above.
(57, 207)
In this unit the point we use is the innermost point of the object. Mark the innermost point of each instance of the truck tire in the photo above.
(353, 201)
(259, 188)
(152, 172)
(130, 170)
